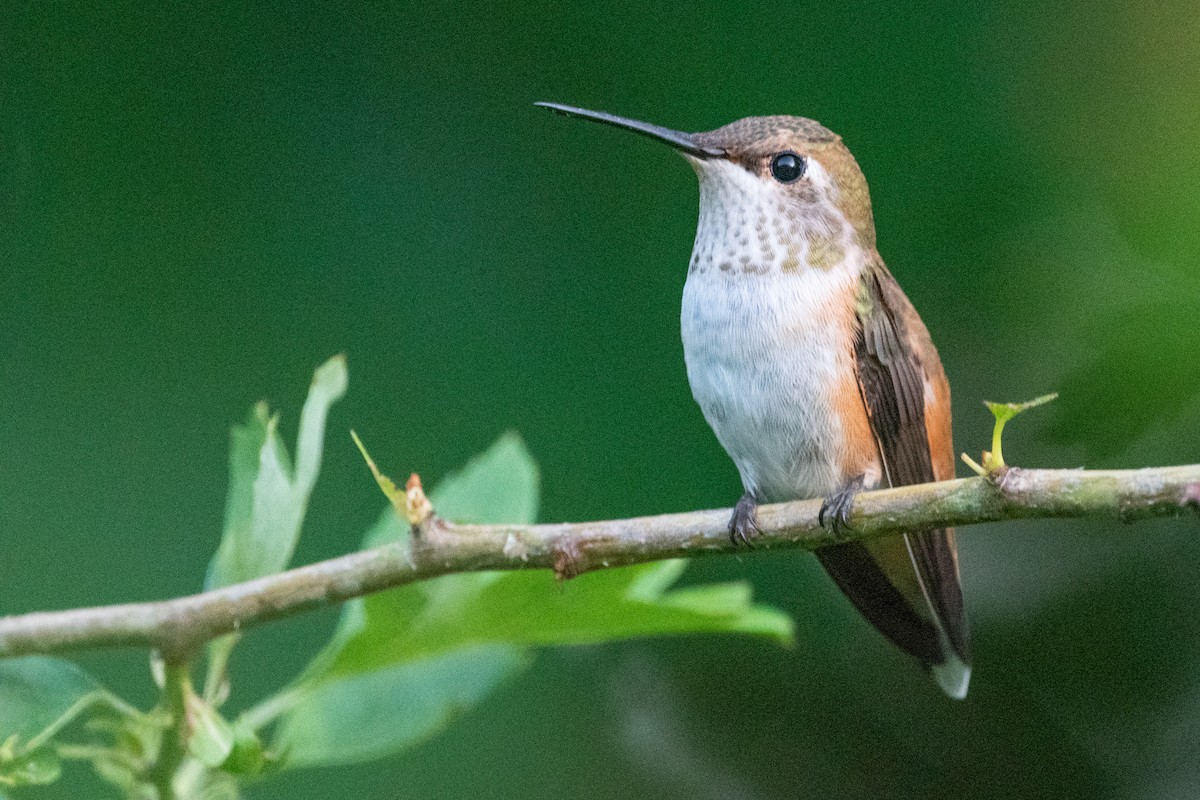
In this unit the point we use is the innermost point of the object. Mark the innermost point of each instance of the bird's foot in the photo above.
(837, 506)
(743, 528)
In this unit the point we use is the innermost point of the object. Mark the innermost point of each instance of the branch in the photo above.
(177, 627)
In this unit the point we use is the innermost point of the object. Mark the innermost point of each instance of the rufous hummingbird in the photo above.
(812, 366)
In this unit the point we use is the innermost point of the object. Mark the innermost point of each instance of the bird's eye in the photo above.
(788, 167)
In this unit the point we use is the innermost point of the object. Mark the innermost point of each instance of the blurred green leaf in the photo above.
(267, 498)
(38, 767)
(459, 496)
(248, 756)
(531, 608)
(211, 741)
(39, 696)
(377, 712)
(403, 662)
(501, 485)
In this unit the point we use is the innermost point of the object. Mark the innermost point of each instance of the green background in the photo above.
(197, 207)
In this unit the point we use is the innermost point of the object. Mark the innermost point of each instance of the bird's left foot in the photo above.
(743, 528)
(837, 506)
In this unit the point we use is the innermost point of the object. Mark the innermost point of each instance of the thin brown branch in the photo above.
(181, 625)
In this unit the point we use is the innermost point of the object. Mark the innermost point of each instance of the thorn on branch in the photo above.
(412, 503)
(417, 508)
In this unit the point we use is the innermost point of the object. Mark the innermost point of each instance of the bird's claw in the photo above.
(837, 506)
(743, 528)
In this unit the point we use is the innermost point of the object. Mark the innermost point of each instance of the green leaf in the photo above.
(531, 608)
(39, 696)
(248, 756)
(211, 740)
(219, 787)
(36, 768)
(403, 662)
(1003, 412)
(374, 713)
(469, 495)
(502, 485)
(267, 497)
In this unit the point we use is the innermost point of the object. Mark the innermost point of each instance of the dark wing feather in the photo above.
(892, 381)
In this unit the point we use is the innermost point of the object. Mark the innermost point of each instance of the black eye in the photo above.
(787, 167)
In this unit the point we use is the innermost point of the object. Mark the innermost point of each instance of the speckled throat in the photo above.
(746, 227)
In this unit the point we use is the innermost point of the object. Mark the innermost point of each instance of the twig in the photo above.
(178, 627)
(177, 686)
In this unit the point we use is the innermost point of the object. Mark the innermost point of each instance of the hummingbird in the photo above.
(813, 368)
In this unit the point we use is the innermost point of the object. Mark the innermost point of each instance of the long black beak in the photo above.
(677, 139)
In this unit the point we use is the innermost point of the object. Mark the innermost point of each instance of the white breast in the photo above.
(762, 358)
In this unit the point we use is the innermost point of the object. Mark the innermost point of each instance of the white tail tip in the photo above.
(953, 676)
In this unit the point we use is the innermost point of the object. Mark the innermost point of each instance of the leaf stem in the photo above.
(266, 712)
(997, 435)
(177, 687)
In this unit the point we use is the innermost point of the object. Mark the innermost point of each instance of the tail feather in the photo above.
(883, 579)
(953, 675)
